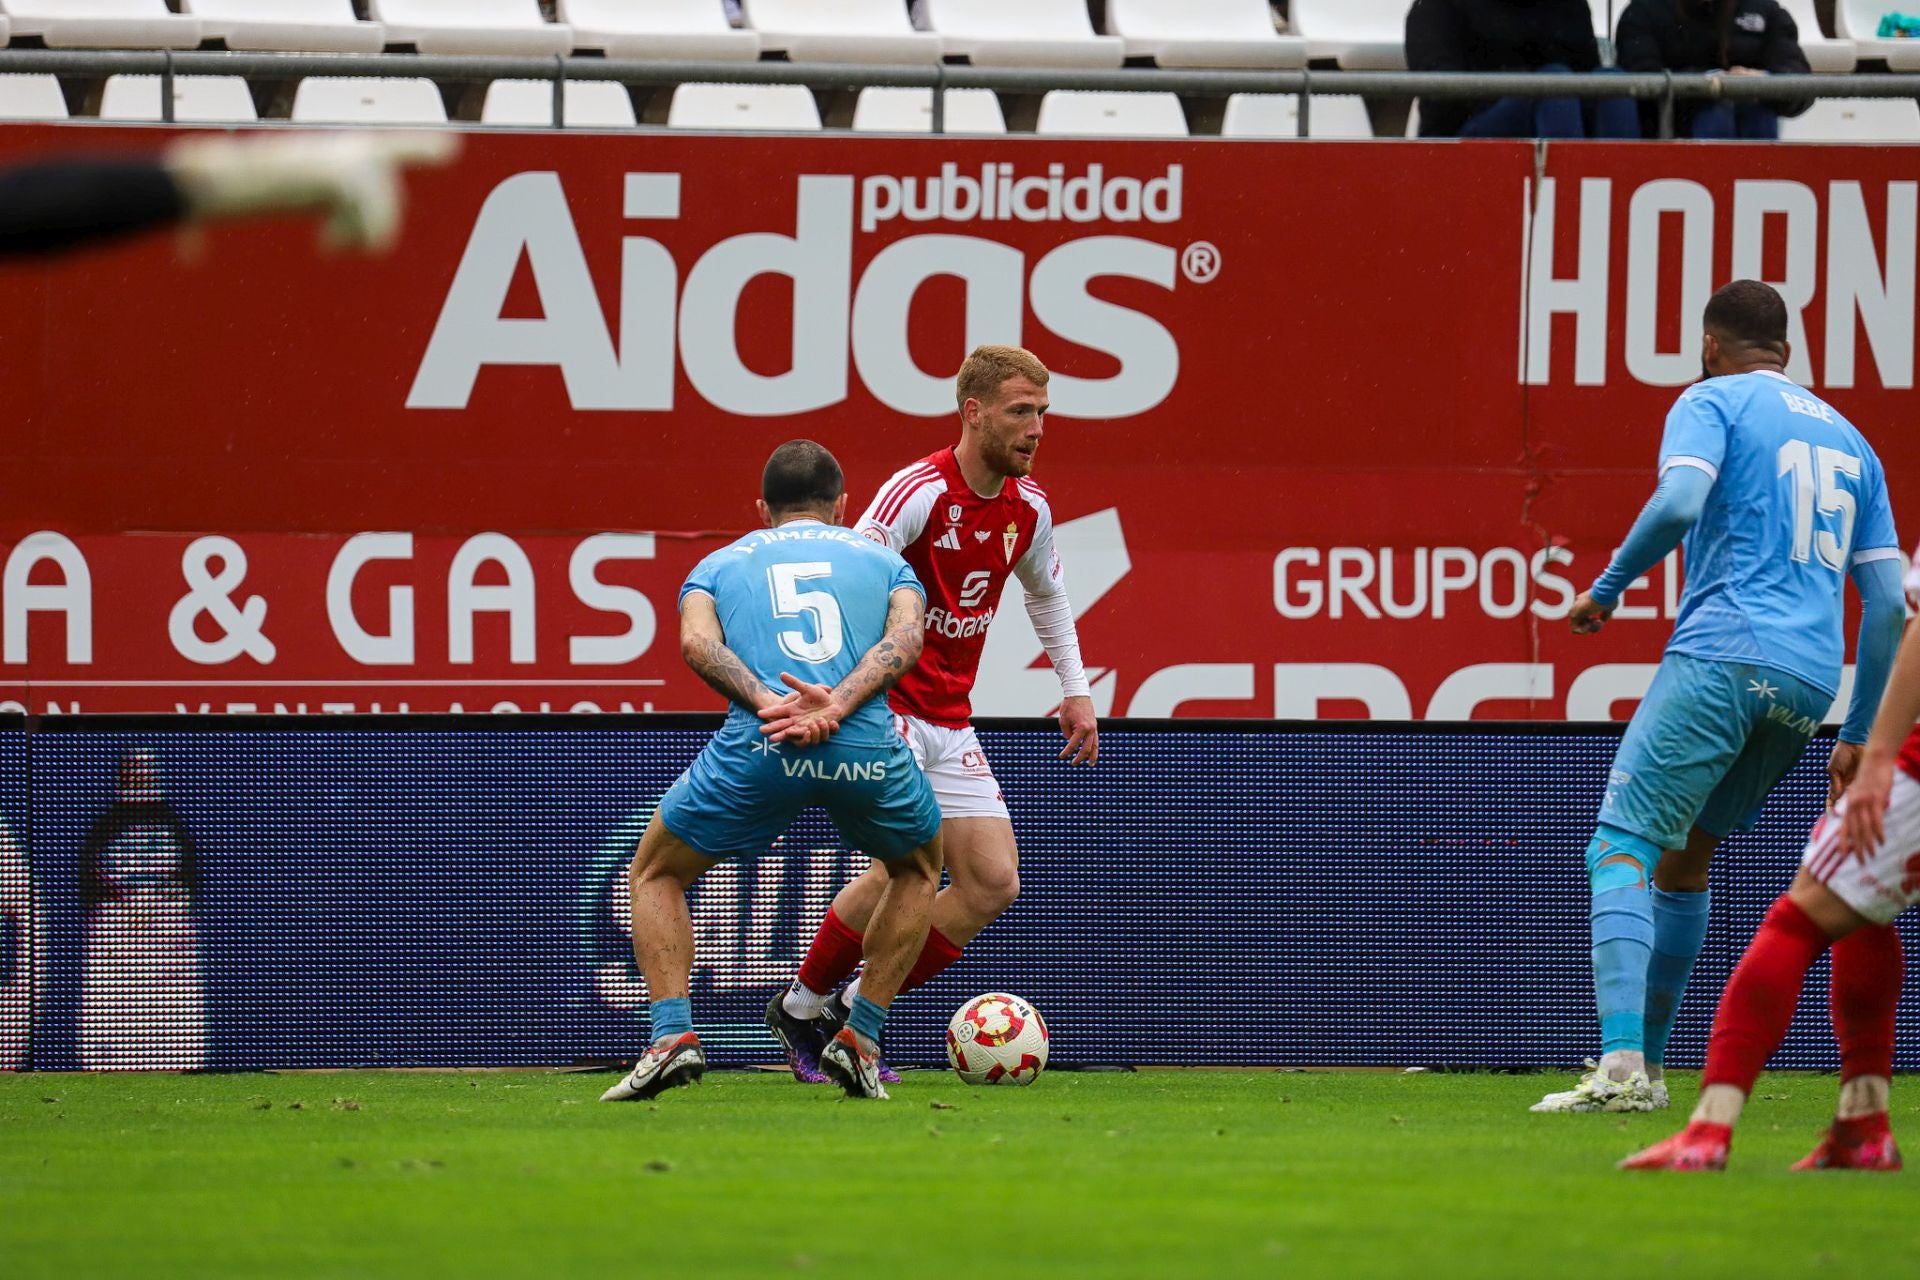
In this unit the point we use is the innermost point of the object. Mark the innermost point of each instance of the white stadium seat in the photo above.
(473, 26)
(695, 30)
(590, 104)
(776, 107)
(840, 31)
(1051, 33)
(103, 24)
(31, 97)
(1824, 53)
(198, 98)
(1132, 115)
(1855, 120)
(348, 100)
(1362, 35)
(298, 26)
(1859, 21)
(881, 110)
(1277, 115)
(1204, 33)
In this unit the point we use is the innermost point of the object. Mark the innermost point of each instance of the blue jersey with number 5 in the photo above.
(1798, 499)
(806, 598)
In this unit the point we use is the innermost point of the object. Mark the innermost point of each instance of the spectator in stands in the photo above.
(1738, 37)
(1512, 35)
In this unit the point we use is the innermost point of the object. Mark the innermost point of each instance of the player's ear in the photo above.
(766, 512)
(840, 509)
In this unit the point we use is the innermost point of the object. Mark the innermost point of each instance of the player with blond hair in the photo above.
(965, 518)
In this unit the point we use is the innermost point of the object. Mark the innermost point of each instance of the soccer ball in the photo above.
(997, 1039)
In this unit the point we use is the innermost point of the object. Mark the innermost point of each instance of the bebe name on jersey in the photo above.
(679, 311)
(955, 627)
(1000, 194)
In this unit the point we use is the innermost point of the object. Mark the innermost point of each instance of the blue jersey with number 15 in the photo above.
(1798, 499)
(806, 598)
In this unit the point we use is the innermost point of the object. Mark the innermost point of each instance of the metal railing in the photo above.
(1666, 88)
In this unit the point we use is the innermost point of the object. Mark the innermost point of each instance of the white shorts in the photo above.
(963, 781)
(1887, 882)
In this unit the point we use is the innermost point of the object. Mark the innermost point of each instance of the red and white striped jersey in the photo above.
(963, 546)
(1910, 755)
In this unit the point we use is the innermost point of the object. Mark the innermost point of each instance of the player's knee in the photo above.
(1679, 879)
(1620, 860)
(994, 893)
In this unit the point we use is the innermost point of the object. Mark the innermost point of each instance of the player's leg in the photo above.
(1682, 899)
(834, 954)
(1783, 712)
(898, 820)
(1755, 1011)
(982, 857)
(1684, 735)
(664, 867)
(1845, 900)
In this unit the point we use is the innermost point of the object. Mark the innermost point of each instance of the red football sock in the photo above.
(939, 953)
(1867, 967)
(1757, 1005)
(832, 958)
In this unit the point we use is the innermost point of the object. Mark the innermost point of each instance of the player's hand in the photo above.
(1863, 826)
(1587, 615)
(807, 716)
(1842, 765)
(1081, 730)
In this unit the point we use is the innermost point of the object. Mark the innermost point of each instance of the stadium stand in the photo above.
(656, 29)
(883, 110)
(31, 97)
(1361, 35)
(1855, 120)
(841, 31)
(103, 24)
(1054, 33)
(473, 26)
(1203, 33)
(590, 104)
(1277, 115)
(1133, 115)
(777, 107)
(1859, 21)
(299, 26)
(352, 100)
(1824, 52)
(199, 98)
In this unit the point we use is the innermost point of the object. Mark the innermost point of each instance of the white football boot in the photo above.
(1599, 1092)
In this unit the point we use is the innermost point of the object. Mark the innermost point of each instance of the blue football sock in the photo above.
(1620, 865)
(867, 1018)
(1679, 929)
(671, 1017)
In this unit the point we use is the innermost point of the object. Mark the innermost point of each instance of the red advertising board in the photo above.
(1338, 429)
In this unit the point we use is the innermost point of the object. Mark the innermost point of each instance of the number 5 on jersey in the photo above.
(819, 607)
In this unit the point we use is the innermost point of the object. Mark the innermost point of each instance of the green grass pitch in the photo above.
(1159, 1174)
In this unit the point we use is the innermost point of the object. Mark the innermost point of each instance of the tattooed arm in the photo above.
(812, 712)
(704, 646)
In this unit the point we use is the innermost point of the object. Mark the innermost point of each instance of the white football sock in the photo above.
(1621, 1063)
(1719, 1104)
(853, 989)
(1862, 1096)
(802, 1003)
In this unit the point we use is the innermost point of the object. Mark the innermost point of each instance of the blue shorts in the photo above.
(740, 795)
(1707, 744)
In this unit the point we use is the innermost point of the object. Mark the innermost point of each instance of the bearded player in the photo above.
(964, 518)
(1860, 870)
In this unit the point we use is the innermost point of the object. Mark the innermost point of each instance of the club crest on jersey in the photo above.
(954, 513)
(1011, 536)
